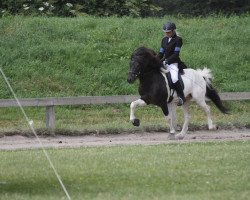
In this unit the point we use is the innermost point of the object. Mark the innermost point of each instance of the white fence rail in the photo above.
(50, 103)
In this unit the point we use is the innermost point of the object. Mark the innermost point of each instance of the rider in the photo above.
(169, 53)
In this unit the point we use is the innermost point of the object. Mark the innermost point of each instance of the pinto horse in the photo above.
(154, 89)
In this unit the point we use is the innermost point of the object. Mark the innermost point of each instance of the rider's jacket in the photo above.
(170, 48)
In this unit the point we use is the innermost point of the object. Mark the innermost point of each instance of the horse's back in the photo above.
(192, 75)
(193, 81)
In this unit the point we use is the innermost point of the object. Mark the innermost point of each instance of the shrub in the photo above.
(37, 7)
(78, 7)
(135, 8)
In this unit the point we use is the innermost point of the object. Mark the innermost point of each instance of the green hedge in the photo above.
(135, 8)
(37, 7)
(202, 7)
(66, 8)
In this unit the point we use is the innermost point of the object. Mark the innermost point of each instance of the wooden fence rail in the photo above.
(50, 103)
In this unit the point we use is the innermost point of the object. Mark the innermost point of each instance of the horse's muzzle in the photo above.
(131, 79)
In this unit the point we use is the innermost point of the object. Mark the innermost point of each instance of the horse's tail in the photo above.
(211, 92)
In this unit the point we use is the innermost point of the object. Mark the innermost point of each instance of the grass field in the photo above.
(45, 57)
(90, 56)
(218, 170)
(103, 119)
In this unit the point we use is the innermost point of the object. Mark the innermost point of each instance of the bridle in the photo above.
(134, 73)
(139, 74)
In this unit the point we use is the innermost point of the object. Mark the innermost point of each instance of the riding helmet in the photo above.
(169, 26)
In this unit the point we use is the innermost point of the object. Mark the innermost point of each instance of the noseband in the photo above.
(134, 73)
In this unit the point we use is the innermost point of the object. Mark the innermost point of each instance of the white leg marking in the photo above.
(187, 118)
(170, 123)
(206, 108)
(171, 127)
(133, 106)
(172, 113)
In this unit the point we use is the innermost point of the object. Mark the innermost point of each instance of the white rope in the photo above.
(31, 125)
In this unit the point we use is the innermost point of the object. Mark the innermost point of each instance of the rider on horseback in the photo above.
(169, 54)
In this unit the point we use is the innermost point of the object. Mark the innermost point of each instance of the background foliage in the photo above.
(135, 8)
(90, 56)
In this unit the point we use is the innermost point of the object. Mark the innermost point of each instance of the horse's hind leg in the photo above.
(187, 118)
(206, 108)
(133, 105)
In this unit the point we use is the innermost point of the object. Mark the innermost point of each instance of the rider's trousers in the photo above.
(173, 68)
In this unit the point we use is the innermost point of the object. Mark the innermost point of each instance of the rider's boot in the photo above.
(180, 93)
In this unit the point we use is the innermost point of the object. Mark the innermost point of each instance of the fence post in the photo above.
(50, 118)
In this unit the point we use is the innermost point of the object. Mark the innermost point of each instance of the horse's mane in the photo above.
(142, 51)
(147, 56)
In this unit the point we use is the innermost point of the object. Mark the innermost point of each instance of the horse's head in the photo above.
(142, 61)
(135, 70)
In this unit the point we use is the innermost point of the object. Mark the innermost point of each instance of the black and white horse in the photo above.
(154, 89)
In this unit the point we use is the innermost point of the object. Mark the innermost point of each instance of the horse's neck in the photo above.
(153, 88)
(149, 72)
(147, 76)
(147, 80)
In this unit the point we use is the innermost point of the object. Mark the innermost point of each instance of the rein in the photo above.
(139, 74)
(144, 74)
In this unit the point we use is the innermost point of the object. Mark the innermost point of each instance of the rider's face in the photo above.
(169, 34)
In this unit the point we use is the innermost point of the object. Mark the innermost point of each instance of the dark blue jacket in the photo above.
(171, 50)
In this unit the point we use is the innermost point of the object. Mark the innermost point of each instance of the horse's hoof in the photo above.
(213, 128)
(136, 122)
(178, 128)
(171, 136)
(179, 136)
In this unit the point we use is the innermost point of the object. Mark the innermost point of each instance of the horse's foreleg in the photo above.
(133, 105)
(169, 119)
(187, 118)
(172, 112)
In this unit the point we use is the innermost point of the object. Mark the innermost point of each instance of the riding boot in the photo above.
(180, 93)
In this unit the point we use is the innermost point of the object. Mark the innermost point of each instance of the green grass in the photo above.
(218, 170)
(90, 56)
(45, 57)
(103, 119)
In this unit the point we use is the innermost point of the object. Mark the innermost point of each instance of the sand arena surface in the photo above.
(20, 142)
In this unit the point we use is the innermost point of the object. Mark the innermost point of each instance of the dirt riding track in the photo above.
(21, 142)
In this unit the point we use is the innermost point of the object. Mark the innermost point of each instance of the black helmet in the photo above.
(169, 26)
